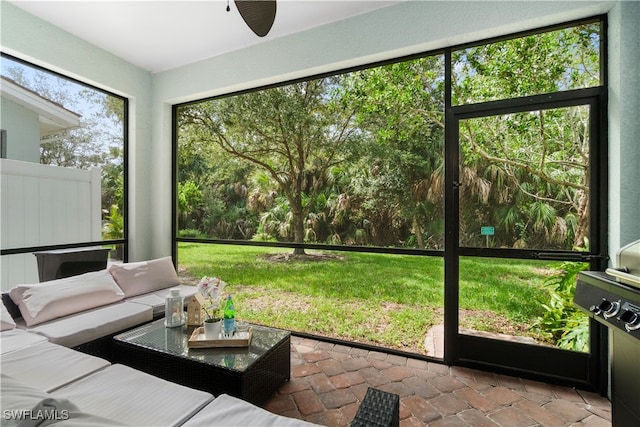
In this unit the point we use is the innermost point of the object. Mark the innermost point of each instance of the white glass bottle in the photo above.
(173, 309)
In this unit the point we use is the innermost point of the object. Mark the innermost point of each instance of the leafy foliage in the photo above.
(113, 228)
(528, 173)
(358, 158)
(294, 133)
(189, 199)
(562, 321)
(536, 161)
(535, 64)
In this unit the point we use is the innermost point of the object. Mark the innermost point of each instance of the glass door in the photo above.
(525, 222)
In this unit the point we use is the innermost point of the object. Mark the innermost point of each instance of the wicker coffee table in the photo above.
(251, 373)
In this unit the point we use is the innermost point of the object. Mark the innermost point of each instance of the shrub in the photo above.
(191, 233)
(562, 322)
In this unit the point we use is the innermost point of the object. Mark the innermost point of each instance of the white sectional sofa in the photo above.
(82, 309)
(45, 380)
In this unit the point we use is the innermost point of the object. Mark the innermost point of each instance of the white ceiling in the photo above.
(160, 35)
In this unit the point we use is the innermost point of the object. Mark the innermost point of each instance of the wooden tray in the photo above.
(198, 340)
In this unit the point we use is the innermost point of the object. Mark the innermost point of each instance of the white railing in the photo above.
(44, 205)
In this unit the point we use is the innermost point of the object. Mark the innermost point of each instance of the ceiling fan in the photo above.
(257, 14)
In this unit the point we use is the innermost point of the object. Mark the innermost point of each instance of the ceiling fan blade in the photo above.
(259, 15)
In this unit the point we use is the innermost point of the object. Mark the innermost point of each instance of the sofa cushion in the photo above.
(44, 301)
(6, 321)
(133, 397)
(137, 278)
(63, 365)
(16, 339)
(86, 326)
(229, 411)
(156, 299)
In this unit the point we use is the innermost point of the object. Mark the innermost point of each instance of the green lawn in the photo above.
(387, 300)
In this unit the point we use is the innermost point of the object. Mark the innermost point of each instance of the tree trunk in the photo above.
(582, 230)
(298, 226)
(417, 230)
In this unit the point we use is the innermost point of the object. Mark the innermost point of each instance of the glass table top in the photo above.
(173, 341)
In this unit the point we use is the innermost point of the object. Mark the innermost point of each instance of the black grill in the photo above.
(617, 306)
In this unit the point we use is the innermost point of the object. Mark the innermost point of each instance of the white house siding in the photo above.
(21, 124)
(45, 205)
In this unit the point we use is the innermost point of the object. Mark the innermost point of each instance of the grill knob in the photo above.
(607, 308)
(594, 309)
(613, 310)
(631, 320)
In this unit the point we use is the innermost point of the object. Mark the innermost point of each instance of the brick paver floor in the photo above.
(328, 381)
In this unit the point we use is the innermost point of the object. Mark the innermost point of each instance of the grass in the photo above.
(382, 299)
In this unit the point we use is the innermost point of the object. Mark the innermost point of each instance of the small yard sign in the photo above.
(487, 231)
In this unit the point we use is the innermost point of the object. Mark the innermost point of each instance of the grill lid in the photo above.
(628, 260)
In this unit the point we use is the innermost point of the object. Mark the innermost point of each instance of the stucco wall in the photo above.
(624, 125)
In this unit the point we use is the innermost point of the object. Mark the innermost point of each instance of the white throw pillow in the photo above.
(136, 278)
(57, 298)
(6, 321)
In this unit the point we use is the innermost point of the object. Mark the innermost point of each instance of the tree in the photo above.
(401, 107)
(295, 133)
(528, 171)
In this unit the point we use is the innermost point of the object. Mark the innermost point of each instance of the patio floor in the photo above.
(329, 380)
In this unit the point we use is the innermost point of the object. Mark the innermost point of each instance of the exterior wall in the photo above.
(23, 132)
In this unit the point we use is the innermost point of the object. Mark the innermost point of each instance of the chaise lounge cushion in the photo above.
(25, 401)
(16, 339)
(45, 301)
(89, 325)
(63, 365)
(25, 406)
(82, 419)
(134, 398)
(136, 278)
(229, 411)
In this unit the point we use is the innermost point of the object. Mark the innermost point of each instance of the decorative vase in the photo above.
(212, 329)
